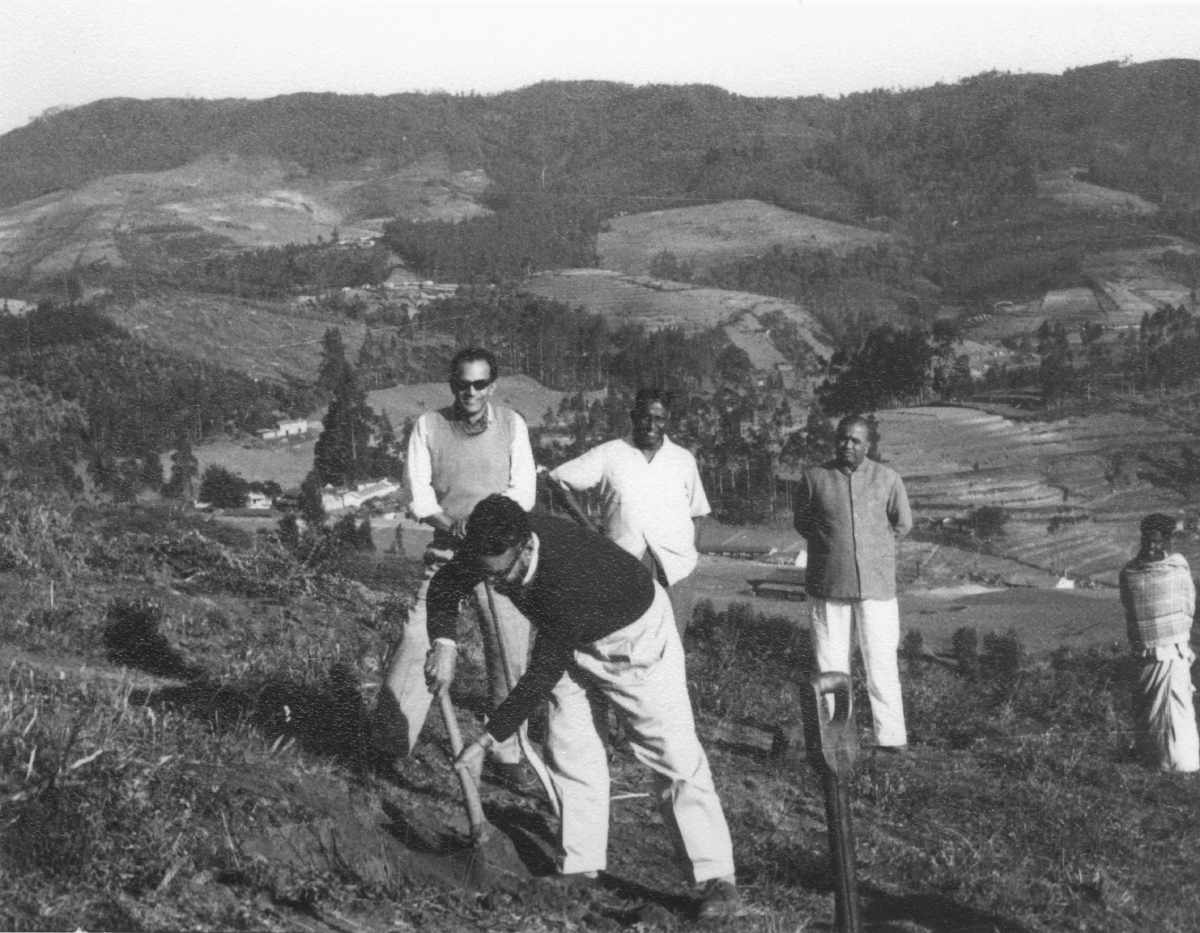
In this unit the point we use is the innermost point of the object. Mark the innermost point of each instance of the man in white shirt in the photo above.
(651, 492)
(457, 456)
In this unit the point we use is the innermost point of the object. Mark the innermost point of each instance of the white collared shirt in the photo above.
(646, 503)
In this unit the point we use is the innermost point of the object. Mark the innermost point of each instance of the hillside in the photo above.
(657, 304)
(219, 203)
(261, 339)
(1074, 489)
(293, 167)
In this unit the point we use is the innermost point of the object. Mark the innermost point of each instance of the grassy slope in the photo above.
(262, 339)
(217, 203)
(216, 778)
(713, 233)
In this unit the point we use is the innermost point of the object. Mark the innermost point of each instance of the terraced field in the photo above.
(1051, 478)
(656, 304)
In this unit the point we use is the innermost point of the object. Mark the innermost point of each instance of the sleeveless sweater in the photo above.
(468, 467)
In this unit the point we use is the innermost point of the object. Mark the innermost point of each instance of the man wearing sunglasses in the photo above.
(456, 457)
(604, 626)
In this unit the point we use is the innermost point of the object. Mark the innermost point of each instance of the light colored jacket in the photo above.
(851, 523)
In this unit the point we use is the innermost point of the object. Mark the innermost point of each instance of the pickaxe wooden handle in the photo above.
(479, 823)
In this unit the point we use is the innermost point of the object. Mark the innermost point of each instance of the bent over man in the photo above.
(851, 511)
(456, 457)
(603, 624)
(652, 495)
(1159, 596)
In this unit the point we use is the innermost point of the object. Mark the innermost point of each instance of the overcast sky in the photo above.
(56, 52)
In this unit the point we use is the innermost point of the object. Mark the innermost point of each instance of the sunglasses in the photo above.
(461, 385)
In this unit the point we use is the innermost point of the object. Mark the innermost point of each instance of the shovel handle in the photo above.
(470, 792)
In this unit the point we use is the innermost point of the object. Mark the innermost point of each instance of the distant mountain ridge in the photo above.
(593, 137)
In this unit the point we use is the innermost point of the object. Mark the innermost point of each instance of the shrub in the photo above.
(132, 638)
(223, 488)
(37, 537)
(1002, 656)
(987, 522)
(964, 644)
(912, 646)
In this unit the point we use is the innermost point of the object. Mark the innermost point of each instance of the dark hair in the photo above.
(495, 525)
(647, 397)
(474, 355)
(851, 420)
(1157, 521)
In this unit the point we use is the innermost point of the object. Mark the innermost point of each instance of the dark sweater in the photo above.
(584, 589)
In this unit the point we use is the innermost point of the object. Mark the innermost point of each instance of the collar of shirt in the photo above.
(533, 559)
(461, 424)
(628, 439)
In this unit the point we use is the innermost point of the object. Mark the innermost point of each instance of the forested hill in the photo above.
(1135, 127)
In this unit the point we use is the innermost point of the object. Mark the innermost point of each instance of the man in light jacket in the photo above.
(851, 511)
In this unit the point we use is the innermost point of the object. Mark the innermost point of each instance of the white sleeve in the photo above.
(418, 474)
(584, 472)
(699, 501)
(522, 477)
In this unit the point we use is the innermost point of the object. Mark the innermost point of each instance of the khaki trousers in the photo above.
(404, 699)
(640, 671)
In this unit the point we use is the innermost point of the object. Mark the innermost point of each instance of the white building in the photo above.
(294, 428)
(335, 499)
(258, 500)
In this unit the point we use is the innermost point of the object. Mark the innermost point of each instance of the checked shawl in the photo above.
(1159, 599)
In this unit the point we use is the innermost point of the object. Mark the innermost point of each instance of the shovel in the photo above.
(837, 751)
(494, 850)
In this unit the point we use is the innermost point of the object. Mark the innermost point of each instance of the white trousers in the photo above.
(404, 699)
(1163, 713)
(878, 622)
(640, 670)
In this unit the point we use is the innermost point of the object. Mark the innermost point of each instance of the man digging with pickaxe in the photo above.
(603, 624)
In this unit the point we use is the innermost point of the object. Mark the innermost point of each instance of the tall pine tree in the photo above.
(343, 455)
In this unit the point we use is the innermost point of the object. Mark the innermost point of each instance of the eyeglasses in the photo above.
(499, 576)
(461, 385)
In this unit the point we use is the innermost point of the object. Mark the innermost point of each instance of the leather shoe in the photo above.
(719, 898)
(579, 881)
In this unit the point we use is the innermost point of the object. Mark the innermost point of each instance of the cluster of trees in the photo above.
(1162, 354)
(564, 349)
(526, 233)
(41, 438)
(221, 488)
(137, 400)
(895, 365)
(356, 442)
